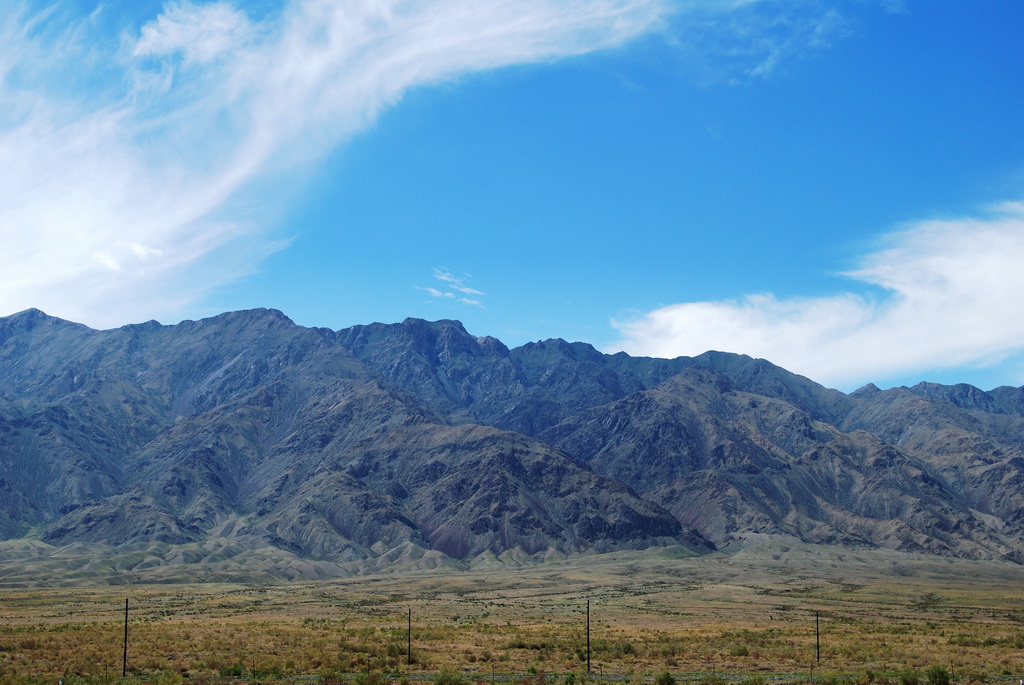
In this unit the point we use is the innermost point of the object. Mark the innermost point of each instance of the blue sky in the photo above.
(837, 187)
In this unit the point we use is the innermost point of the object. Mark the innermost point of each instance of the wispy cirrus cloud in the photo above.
(131, 161)
(136, 154)
(454, 282)
(754, 39)
(948, 296)
(455, 289)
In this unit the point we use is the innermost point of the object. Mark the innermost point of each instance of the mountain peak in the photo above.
(962, 395)
(31, 319)
(575, 351)
(30, 313)
(256, 314)
(32, 316)
(415, 322)
(866, 391)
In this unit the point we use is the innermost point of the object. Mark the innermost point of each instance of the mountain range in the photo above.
(245, 436)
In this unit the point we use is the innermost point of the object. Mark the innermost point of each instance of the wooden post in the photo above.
(409, 636)
(817, 636)
(588, 636)
(124, 662)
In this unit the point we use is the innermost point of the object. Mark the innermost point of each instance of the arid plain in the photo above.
(774, 613)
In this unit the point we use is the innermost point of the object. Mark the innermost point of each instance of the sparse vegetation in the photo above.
(651, 623)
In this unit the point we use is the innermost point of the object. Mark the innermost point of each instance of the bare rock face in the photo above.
(249, 428)
(474, 489)
(418, 444)
(128, 518)
(739, 448)
(734, 464)
(479, 380)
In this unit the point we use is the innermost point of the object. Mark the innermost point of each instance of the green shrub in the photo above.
(937, 675)
(168, 678)
(664, 678)
(448, 679)
(909, 677)
(235, 671)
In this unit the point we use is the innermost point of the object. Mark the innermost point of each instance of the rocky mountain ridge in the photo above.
(394, 442)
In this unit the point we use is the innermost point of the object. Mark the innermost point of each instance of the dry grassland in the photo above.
(745, 617)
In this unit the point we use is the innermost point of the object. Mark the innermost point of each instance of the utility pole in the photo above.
(588, 636)
(409, 636)
(124, 662)
(817, 636)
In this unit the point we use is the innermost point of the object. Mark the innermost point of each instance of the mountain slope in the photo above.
(249, 428)
(419, 443)
(738, 466)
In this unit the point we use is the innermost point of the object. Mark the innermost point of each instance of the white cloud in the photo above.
(446, 276)
(454, 284)
(166, 136)
(754, 39)
(434, 292)
(951, 298)
(199, 33)
(125, 160)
